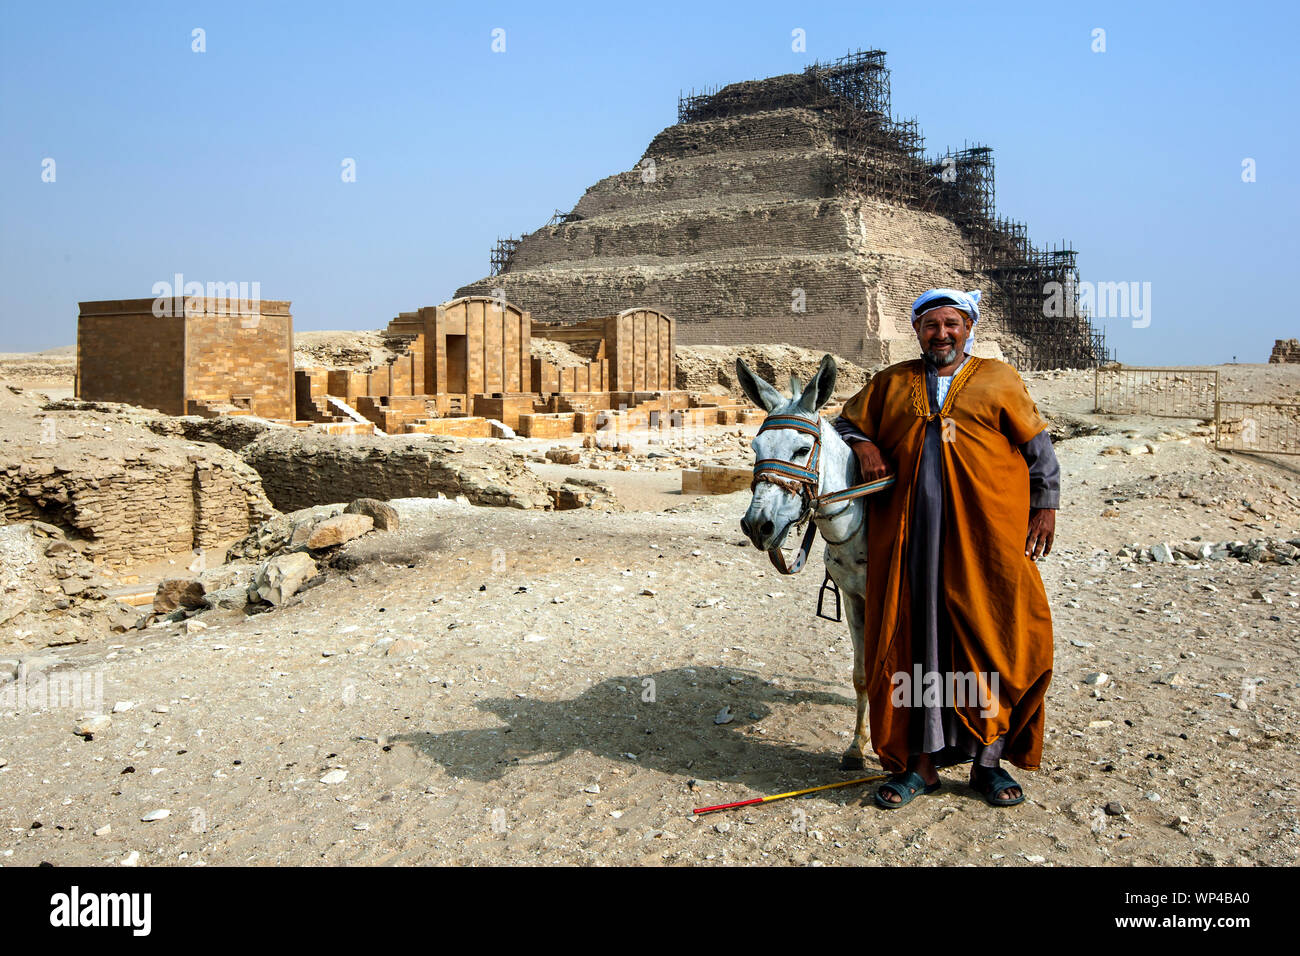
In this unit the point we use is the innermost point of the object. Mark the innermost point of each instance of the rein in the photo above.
(803, 480)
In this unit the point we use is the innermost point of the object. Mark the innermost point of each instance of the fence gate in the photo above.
(1158, 392)
(1268, 428)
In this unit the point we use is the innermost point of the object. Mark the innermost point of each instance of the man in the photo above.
(953, 593)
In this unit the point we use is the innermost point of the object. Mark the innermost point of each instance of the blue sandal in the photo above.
(907, 786)
(990, 780)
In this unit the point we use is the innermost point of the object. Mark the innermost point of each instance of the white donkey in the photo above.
(803, 468)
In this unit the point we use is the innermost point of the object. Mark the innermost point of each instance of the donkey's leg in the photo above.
(854, 757)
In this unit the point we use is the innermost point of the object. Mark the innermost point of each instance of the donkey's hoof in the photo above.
(852, 763)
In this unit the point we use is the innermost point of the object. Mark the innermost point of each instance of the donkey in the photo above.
(779, 503)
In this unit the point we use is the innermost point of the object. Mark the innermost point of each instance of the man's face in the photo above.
(942, 334)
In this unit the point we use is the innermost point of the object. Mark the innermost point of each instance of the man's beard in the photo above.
(941, 358)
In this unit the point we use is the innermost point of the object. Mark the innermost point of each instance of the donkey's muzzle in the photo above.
(761, 532)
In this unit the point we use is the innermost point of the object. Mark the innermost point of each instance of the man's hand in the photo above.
(1042, 531)
(871, 464)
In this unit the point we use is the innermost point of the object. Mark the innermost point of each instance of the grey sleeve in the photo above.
(1044, 471)
(846, 431)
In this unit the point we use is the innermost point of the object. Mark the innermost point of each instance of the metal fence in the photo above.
(1159, 392)
(1266, 428)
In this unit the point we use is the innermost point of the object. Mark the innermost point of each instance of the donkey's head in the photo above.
(778, 504)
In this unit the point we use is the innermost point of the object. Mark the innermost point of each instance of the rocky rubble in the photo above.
(363, 350)
(731, 447)
(280, 533)
(1280, 551)
(50, 594)
(712, 368)
(273, 562)
(576, 491)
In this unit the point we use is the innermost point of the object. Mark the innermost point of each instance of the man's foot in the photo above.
(901, 787)
(998, 787)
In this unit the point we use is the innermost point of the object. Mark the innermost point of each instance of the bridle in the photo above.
(804, 480)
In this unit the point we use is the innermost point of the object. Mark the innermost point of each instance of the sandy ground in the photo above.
(515, 687)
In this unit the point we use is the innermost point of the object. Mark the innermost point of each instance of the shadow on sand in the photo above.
(665, 719)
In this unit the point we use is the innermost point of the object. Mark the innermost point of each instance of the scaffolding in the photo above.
(860, 78)
(560, 217)
(502, 254)
(883, 158)
(1040, 299)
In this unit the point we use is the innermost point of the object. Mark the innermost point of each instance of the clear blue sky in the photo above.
(225, 165)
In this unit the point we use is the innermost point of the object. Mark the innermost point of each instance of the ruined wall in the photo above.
(1285, 350)
(301, 469)
(133, 506)
(402, 376)
(592, 377)
(127, 354)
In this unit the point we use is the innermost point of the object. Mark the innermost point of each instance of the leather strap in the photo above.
(777, 556)
(804, 480)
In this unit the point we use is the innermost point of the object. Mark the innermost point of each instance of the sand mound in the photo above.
(359, 350)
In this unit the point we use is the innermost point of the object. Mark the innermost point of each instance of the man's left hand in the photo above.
(1042, 531)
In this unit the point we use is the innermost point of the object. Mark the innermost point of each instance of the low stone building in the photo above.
(199, 356)
(467, 368)
(472, 361)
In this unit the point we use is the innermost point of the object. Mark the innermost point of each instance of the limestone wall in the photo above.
(206, 351)
(242, 360)
(725, 178)
(135, 506)
(772, 228)
(784, 129)
(300, 469)
(127, 354)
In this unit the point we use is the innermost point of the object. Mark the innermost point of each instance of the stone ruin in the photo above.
(1285, 351)
(472, 367)
(795, 209)
(466, 368)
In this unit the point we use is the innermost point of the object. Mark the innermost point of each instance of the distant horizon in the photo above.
(130, 155)
(71, 348)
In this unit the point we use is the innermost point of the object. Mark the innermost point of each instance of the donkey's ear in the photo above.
(756, 390)
(820, 387)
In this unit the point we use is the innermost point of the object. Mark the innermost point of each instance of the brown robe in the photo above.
(992, 591)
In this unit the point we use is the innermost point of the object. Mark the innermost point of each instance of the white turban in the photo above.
(968, 302)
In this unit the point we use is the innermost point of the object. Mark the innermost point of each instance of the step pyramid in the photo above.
(794, 210)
